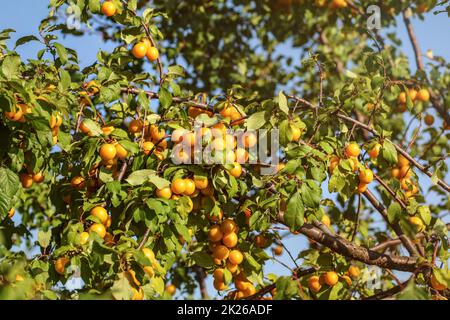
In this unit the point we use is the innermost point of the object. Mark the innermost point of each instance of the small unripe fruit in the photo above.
(164, 193)
(436, 284)
(135, 126)
(314, 284)
(221, 252)
(417, 223)
(429, 120)
(236, 171)
(152, 54)
(60, 265)
(109, 8)
(235, 257)
(278, 250)
(84, 237)
(423, 95)
(107, 152)
(375, 151)
(99, 229)
(171, 289)
(215, 234)
(296, 133)
(100, 213)
(139, 50)
(352, 150)
(330, 278)
(366, 176)
(230, 239)
(353, 271)
(26, 180)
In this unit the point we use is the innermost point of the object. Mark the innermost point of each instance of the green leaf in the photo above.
(159, 182)
(310, 194)
(287, 288)
(442, 276)
(62, 52)
(131, 147)
(425, 214)
(9, 186)
(158, 284)
(93, 126)
(44, 238)
(283, 103)
(394, 212)
(121, 289)
(412, 292)
(256, 120)
(176, 71)
(203, 259)
(294, 215)
(285, 132)
(25, 39)
(227, 276)
(251, 261)
(388, 152)
(94, 6)
(138, 177)
(65, 80)
(165, 98)
(10, 66)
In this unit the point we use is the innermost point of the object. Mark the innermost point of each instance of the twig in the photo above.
(388, 293)
(390, 191)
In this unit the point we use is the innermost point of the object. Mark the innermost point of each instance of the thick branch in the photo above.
(414, 42)
(201, 277)
(395, 226)
(395, 242)
(349, 249)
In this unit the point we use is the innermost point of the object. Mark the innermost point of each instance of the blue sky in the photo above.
(25, 15)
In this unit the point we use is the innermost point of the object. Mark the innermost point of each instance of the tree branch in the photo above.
(414, 42)
(349, 249)
(201, 277)
(395, 226)
(395, 242)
